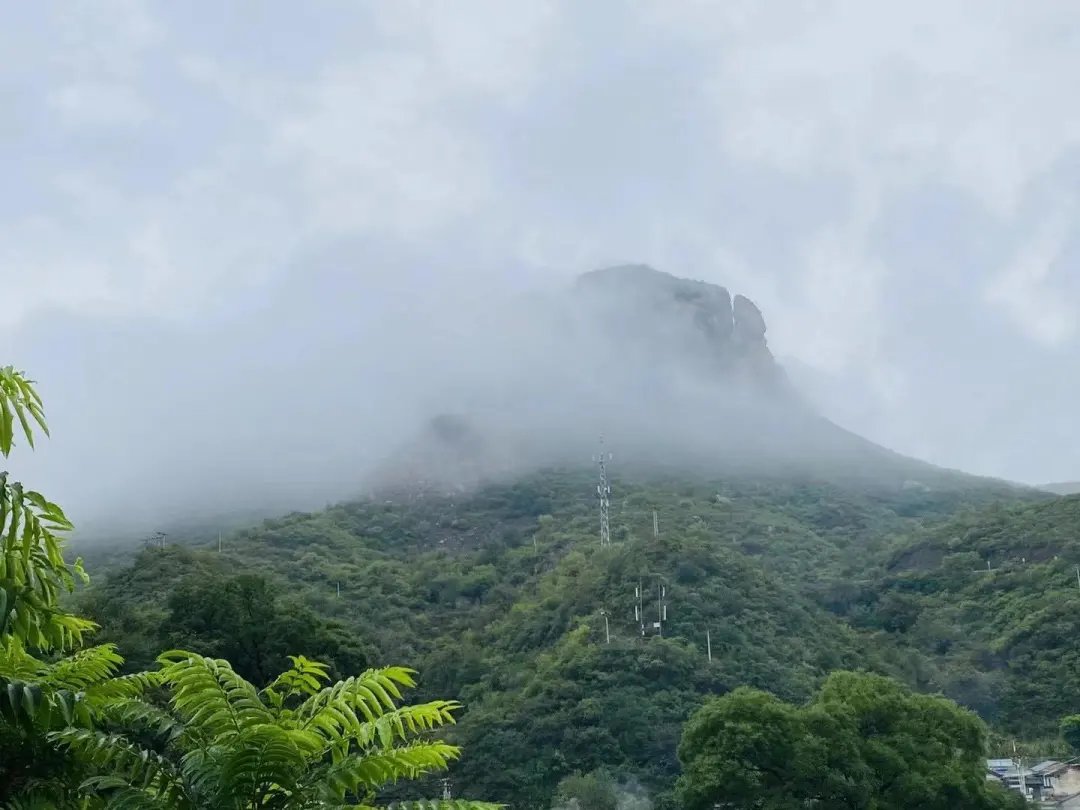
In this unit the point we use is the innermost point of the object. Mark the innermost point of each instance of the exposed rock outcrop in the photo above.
(664, 319)
(748, 322)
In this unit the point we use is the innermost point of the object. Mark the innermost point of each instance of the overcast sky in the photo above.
(895, 184)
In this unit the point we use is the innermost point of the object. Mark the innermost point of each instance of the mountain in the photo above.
(1065, 488)
(742, 521)
(499, 596)
(672, 373)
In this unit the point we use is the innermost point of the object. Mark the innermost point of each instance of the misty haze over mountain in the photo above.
(246, 267)
(313, 396)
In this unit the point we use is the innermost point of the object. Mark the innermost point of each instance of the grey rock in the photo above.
(749, 323)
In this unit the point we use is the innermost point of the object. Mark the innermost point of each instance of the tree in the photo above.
(32, 566)
(1070, 730)
(593, 791)
(244, 619)
(750, 749)
(864, 742)
(219, 742)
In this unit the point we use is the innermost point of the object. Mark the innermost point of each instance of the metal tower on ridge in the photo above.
(603, 490)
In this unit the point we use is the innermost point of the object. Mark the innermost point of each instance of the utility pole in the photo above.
(603, 490)
(639, 614)
(655, 525)
(219, 542)
(708, 644)
(339, 590)
(607, 627)
(661, 604)
(1078, 576)
(1019, 760)
(661, 608)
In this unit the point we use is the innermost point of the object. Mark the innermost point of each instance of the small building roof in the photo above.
(1046, 766)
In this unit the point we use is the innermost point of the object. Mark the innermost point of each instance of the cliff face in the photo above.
(658, 318)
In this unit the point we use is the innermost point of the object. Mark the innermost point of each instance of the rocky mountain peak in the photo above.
(664, 318)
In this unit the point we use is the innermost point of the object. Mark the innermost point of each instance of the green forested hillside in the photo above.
(498, 598)
(994, 598)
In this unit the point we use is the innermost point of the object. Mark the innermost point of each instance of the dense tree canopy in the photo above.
(1070, 730)
(495, 596)
(245, 618)
(864, 743)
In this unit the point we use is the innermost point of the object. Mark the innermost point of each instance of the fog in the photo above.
(303, 396)
(283, 405)
(324, 388)
(249, 255)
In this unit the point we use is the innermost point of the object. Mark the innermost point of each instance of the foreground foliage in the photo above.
(863, 743)
(219, 742)
(38, 697)
(193, 733)
(39, 691)
(32, 567)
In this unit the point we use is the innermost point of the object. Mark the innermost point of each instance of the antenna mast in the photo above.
(603, 491)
